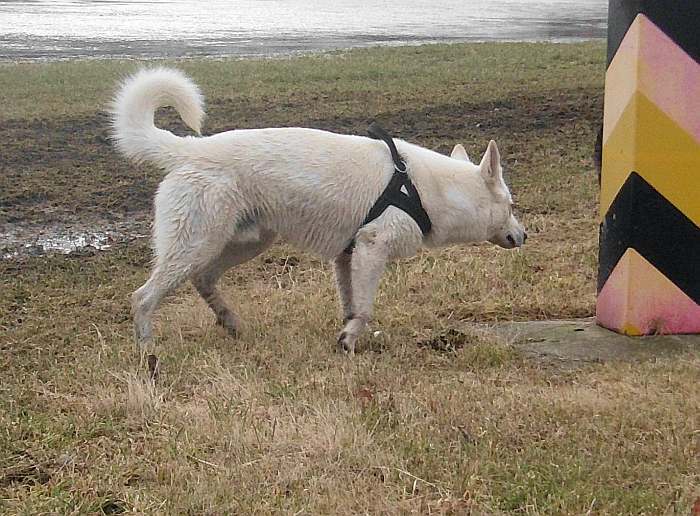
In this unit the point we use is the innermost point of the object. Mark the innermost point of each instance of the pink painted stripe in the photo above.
(669, 77)
(638, 299)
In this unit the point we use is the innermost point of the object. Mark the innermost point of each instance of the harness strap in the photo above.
(378, 133)
(400, 192)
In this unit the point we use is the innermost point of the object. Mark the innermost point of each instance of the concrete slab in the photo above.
(583, 341)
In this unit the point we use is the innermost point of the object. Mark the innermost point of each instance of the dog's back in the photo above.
(291, 181)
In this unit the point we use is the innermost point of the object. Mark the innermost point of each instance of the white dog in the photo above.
(227, 197)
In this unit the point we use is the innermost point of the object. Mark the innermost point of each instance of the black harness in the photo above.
(400, 192)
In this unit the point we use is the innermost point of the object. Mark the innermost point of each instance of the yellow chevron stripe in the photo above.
(647, 141)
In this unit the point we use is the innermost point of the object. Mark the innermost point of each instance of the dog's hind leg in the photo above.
(164, 278)
(186, 239)
(233, 254)
(205, 283)
(172, 268)
(343, 280)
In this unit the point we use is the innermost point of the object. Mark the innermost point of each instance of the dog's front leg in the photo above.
(366, 267)
(343, 281)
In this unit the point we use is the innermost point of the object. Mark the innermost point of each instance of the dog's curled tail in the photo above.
(134, 106)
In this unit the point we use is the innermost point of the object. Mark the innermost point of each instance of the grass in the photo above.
(275, 421)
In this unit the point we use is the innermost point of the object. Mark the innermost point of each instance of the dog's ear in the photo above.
(460, 153)
(491, 163)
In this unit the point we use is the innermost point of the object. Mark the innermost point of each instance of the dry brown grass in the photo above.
(275, 422)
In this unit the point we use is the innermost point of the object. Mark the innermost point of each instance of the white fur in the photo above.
(226, 197)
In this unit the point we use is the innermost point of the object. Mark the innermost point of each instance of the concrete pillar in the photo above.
(649, 261)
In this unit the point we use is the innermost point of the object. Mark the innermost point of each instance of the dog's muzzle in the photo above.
(517, 240)
(510, 240)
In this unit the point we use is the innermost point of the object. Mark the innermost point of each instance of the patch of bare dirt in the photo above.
(65, 172)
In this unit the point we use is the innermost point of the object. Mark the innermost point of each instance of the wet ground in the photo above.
(20, 240)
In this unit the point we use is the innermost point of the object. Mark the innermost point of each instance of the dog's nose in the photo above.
(524, 236)
(510, 239)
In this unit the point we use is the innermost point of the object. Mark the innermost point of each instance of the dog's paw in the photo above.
(231, 330)
(153, 368)
(228, 323)
(346, 344)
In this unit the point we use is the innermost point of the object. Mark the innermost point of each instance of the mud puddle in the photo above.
(24, 240)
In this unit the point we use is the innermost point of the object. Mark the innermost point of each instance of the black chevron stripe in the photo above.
(679, 19)
(641, 218)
